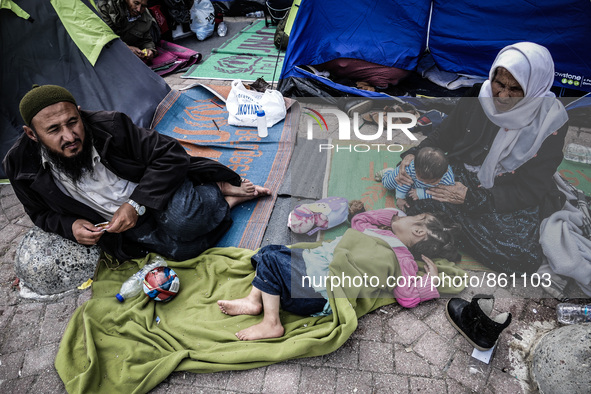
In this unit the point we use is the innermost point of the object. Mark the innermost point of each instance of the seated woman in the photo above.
(282, 274)
(504, 148)
(131, 20)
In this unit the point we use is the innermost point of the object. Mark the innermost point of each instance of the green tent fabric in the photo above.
(121, 347)
(84, 27)
(10, 5)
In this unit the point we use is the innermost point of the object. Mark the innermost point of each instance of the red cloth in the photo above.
(174, 56)
(361, 70)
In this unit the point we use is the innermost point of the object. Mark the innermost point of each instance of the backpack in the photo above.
(320, 215)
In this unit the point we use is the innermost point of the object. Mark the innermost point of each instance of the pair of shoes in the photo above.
(379, 175)
(473, 321)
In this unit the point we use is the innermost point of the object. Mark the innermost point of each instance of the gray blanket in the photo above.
(567, 249)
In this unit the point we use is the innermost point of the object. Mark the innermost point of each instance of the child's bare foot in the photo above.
(242, 306)
(263, 330)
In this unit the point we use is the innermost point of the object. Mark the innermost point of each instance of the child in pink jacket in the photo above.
(423, 236)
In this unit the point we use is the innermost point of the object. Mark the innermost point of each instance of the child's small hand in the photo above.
(430, 267)
(402, 204)
(413, 194)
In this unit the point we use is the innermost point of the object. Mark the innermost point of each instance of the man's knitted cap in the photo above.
(40, 97)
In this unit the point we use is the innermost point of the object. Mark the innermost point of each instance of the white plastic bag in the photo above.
(202, 19)
(243, 104)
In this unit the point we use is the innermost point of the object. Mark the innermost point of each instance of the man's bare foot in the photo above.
(259, 192)
(263, 330)
(242, 306)
(246, 189)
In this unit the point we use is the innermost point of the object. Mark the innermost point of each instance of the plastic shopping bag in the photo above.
(202, 19)
(243, 104)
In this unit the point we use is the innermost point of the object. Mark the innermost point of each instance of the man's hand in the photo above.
(403, 178)
(430, 267)
(124, 219)
(86, 233)
(453, 194)
(402, 204)
(136, 51)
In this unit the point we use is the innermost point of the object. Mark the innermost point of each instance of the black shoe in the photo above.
(472, 320)
(360, 106)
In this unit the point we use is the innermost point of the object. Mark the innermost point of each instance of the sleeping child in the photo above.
(429, 169)
(280, 271)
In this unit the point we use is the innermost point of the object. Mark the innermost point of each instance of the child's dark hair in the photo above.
(355, 207)
(440, 243)
(430, 163)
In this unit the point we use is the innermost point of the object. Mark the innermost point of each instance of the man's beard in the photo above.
(72, 167)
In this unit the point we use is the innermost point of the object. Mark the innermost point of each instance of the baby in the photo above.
(429, 169)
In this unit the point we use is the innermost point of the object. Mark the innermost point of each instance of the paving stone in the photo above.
(23, 220)
(453, 387)
(182, 378)
(347, 356)
(23, 331)
(57, 316)
(250, 381)
(472, 374)
(406, 328)
(390, 383)
(439, 323)
(501, 382)
(424, 309)
(11, 364)
(282, 378)
(349, 381)
(17, 386)
(213, 380)
(376, 356)
(318, 380)
(309, 361)
(427, 386)
(83, 296)
(9, 200)
(410, 363)
(11, 232)
(6, 190)
(6, 314)
(48, 383)
(434, 348)
(40, 360)
(15, 213)
(370, 327)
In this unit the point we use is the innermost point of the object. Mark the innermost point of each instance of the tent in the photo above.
(462, 36)
(64, 42)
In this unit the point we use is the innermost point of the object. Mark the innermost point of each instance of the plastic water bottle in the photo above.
(256, 14)
(222, 29)
(573, 313)
(578, 153)
(262, 124)
(133, 286)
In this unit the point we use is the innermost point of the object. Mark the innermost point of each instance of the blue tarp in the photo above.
(464, 35)
(384, 32)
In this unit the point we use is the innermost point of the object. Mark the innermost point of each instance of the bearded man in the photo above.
(73, 169)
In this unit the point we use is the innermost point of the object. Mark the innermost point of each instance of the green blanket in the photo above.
(120, 347)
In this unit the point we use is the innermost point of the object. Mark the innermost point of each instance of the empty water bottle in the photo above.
(578, 153)
(573, 313)
(222, 29)
(256, 14)
(133, 286)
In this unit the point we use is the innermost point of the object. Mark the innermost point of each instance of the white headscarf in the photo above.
(524, 127)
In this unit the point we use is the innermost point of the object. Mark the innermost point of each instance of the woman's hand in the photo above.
(430, 267)
(403, 178)
(453, 194)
